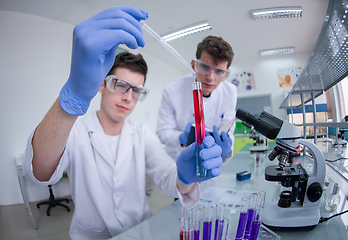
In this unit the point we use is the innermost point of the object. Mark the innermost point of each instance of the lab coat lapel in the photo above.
(125, 145)
(97, 139)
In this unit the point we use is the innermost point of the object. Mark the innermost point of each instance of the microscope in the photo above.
(297, 208)
(340, 139)
(260, 144)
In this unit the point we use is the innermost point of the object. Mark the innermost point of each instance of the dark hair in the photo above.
(133, 62)
(217, 47)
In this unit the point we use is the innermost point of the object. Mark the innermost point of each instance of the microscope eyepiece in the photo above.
(265, 124)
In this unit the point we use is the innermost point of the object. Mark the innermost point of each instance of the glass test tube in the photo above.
(207, 222)
(251, 212)
(196, 223)
(222, 229)
(186, 212)
(220, 208)
(243, 216)
(199, 125)
(257, 159)
(255, 228)
(261, 197)
(184, 228)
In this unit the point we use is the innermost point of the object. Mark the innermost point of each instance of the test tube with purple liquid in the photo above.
(220, 208)
(207, 222)
(243, 216)
(196, 223)
(256, 223)
(251, 212)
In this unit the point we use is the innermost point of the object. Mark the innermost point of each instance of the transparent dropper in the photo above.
(166, 45)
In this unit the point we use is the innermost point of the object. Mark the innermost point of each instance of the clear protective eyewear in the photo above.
(120, 85)
(205, 69)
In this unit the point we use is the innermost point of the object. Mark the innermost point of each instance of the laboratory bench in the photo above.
(165, 224)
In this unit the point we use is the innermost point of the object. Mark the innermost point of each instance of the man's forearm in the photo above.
(49, 141)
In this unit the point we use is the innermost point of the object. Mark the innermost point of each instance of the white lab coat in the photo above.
(176, 111)
(111, 198)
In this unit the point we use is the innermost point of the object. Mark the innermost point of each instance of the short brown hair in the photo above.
(217, 47)
(133, 62)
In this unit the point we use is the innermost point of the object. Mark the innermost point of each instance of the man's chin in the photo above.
(206, 93)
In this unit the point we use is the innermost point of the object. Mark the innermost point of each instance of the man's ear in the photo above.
(193, 64)
(102, 87)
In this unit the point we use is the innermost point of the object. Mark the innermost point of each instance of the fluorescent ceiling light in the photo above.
(288, 50)
(278, 12)
(192, 29)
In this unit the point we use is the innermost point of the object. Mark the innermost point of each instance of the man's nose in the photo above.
(128, 95)
(211, 76)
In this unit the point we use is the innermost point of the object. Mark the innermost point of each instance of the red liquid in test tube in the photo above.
(199, 125)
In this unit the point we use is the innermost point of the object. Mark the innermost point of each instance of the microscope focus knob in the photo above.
(314, 192)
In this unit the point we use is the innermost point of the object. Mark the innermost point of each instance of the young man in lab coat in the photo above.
(106, 155)
(213, 58)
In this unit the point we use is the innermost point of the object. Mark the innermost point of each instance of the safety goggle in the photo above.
(205, 69)
(120, 85)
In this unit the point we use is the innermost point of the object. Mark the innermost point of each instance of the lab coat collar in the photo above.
(96, 134)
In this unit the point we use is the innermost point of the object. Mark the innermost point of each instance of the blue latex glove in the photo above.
(93, 53)
(225, 142)
(184, 136)
(211, 156)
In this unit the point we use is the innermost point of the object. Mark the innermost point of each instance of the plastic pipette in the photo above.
(166, 45)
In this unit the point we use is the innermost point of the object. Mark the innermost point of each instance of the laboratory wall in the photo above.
(35, 63)
(265, 70)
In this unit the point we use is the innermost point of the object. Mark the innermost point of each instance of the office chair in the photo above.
(52, 202)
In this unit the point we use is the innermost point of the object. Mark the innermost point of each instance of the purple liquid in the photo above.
(255, 230)
(207, 230)
(241, 224)
(196, 235)
(251, 213)
(218, 234)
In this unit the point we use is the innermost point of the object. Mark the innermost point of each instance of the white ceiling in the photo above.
(230, 19)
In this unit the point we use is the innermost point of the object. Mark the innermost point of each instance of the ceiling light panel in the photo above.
(279, 12)
(189, 30)
(288, 50)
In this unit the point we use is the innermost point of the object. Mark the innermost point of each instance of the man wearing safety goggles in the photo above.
(106, 155)
(213, 58)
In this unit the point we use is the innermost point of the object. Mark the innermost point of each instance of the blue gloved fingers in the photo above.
(186, 164)
(208, 141)
(107, 33)
(136, 13)
(216, 134)
(189, 125)
(213, 172)
(108, 39)
(212, 163)
(211, 151)
(184, 135)
(224, 137)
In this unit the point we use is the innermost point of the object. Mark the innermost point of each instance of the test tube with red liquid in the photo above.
(199, 125)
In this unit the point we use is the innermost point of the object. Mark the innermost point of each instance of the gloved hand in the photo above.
(93, 53)
(225, 142)
(211, 156)
(184, 136)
